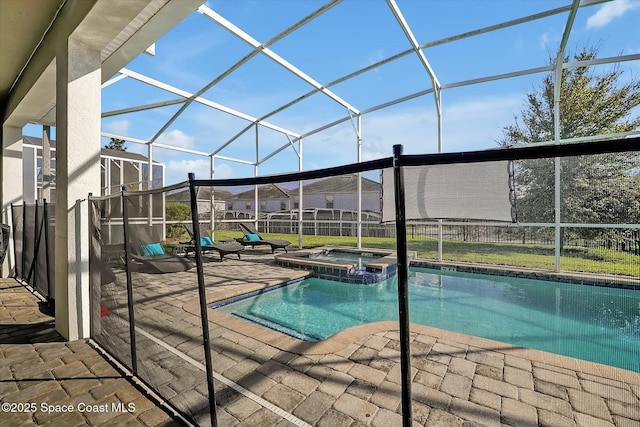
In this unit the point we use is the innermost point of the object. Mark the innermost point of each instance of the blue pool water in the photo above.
(599, 324)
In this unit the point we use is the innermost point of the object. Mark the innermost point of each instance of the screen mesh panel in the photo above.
(51, 248)
(109, 305)
(166, 356)
(163, 278)
(34, 243)
(40, 276)
(29, 244)
(18, 230)
(479, 191)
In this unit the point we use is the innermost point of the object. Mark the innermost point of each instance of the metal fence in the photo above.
(132, 302)
(34, 246)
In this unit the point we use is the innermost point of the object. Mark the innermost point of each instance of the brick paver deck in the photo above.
(351, 379)
(47, 381)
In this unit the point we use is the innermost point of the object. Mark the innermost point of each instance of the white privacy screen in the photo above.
(479, 191)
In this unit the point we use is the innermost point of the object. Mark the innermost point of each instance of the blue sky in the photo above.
(346, 38)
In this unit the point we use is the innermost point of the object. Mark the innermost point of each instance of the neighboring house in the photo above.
(118, 168)
(271, 198)
(340, 193)
(203, 196)
(334, 193)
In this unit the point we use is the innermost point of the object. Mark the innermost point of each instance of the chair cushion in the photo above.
(253, 237)
(206, 241)
(152, 249)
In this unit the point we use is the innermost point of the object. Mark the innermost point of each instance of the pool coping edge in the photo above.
(351, 335)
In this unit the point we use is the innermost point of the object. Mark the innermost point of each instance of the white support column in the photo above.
(440, 227)
(11, 189)
(149, 181)
(212, 175)
(256, 200)
(438, 95)
(557, 199)
(255, 174)
(359, 227)
(164, 209)
(107, 176)
(78, 80)
(29, 175)
(557, 85)
(46, 163)
(557, 202)
(107, 191)
(300, 195)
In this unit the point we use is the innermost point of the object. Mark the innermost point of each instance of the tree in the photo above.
(594, 189)
(177, 212)
(116, 144)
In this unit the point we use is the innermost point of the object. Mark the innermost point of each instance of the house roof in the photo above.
(124, 155)
(268, 191)
(32, 140)
(336, 184)
(203, 193)
(340, 184)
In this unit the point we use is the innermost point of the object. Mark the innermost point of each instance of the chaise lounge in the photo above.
(252, 238)
(152, 258)
(206, 244)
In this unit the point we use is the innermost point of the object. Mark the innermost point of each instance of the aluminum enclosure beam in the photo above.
(201, 100)
(556, 127)
(462, 36)
(262, 48)
(609, 60)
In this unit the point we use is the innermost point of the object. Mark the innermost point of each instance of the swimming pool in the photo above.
(593, 323)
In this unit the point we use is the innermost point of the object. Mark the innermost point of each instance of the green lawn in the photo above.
(518, 255)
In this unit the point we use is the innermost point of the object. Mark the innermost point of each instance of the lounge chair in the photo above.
(252, 238)
(206, 244)
(153, 259)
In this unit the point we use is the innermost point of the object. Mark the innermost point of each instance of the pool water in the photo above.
(593, 323)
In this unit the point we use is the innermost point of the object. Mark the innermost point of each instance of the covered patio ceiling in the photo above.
(31, 29)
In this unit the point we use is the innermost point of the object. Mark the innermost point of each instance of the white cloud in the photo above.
(608, 12)
(176, 138)
(544, 39)
(119, 127)
(376, 56)
(519, 45)
(550, 38)
(477, 125)
(178, 170)
(467, 125)
(223, 171)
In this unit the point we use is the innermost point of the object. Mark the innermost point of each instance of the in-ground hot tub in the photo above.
(344, 264)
